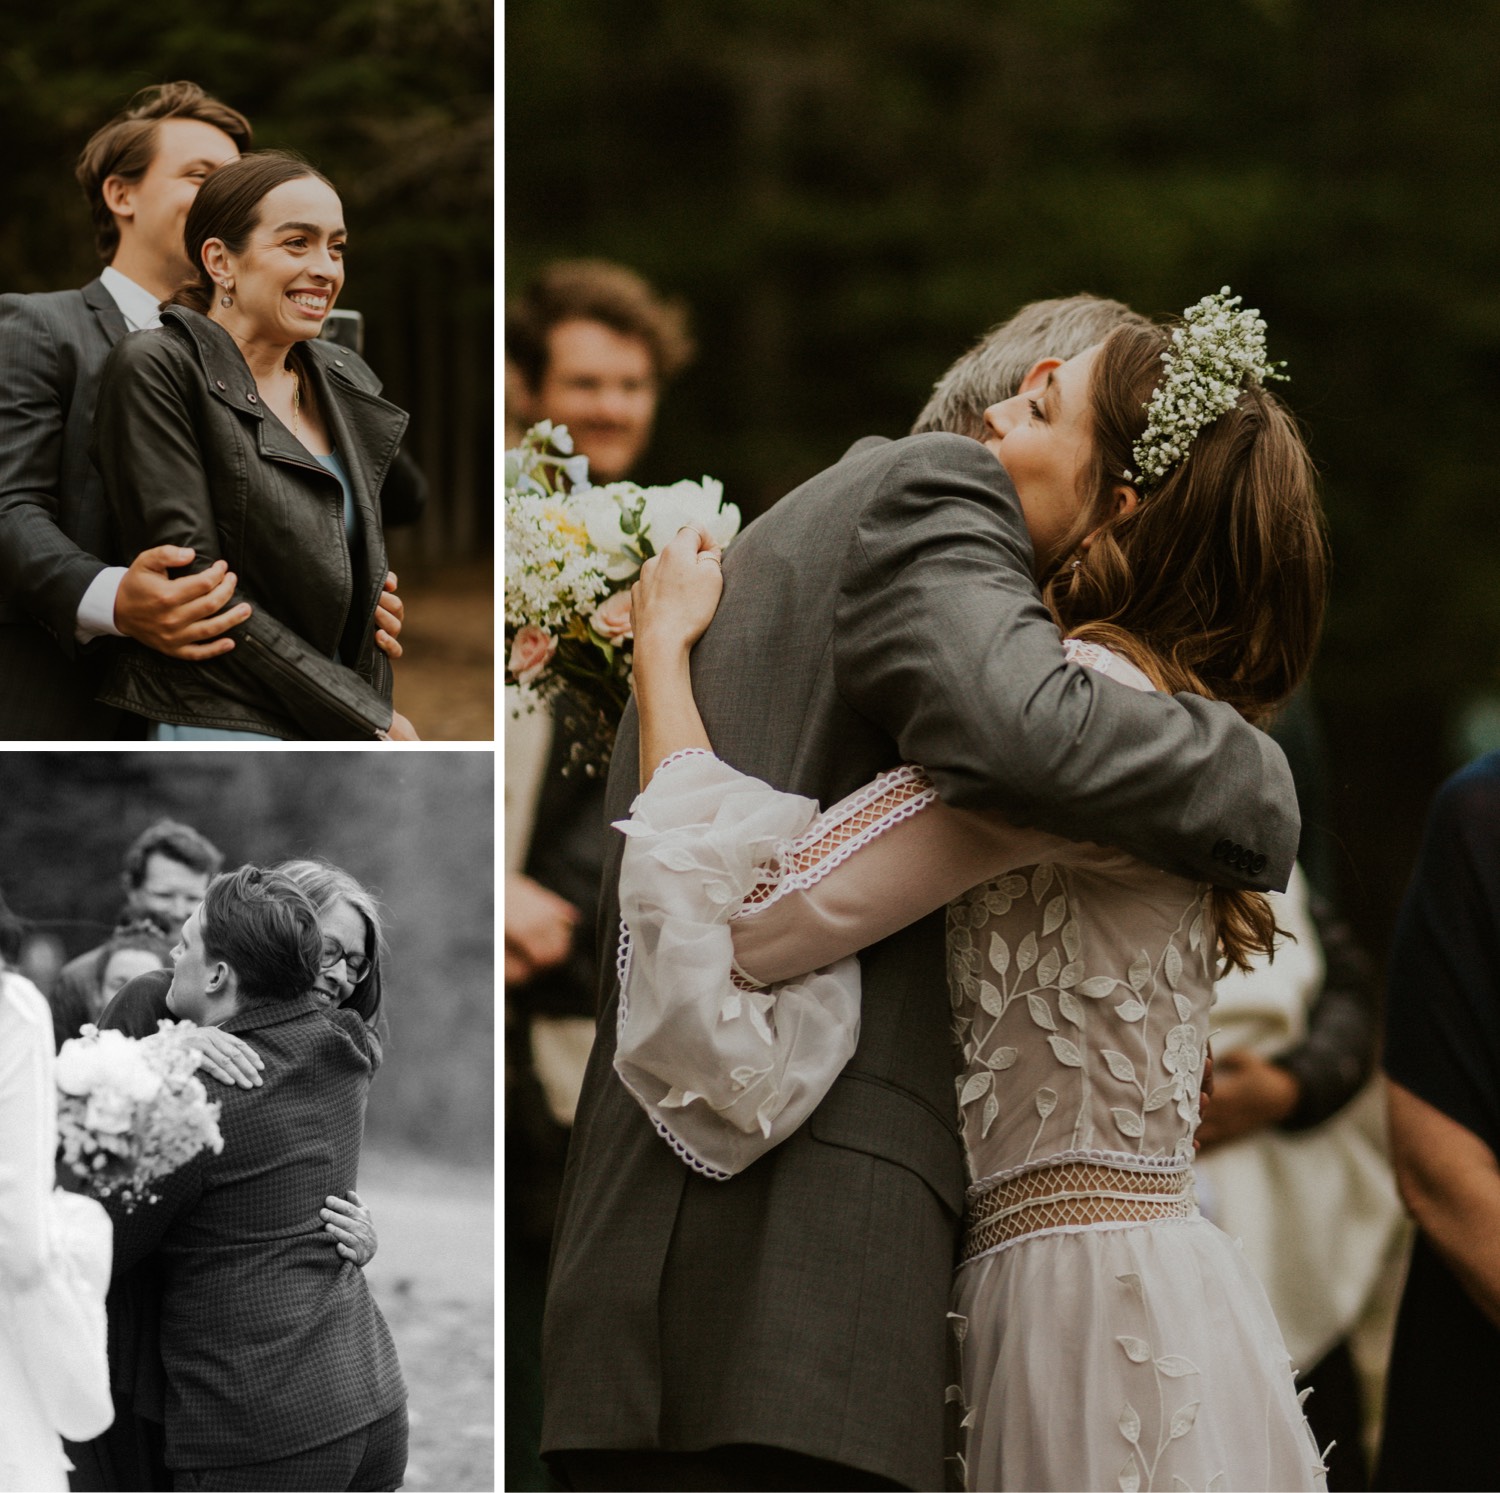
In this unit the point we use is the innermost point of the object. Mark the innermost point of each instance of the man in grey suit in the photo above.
(58, 595)
(787, 1328)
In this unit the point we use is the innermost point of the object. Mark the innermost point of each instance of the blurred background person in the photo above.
(1442, 1060)
(132, 949)
(1294, 1160)
(592, 346)
(166, 872)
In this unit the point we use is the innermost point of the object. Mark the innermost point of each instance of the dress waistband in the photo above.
(1073, 1194)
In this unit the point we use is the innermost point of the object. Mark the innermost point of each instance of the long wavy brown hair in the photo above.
(1215, 581)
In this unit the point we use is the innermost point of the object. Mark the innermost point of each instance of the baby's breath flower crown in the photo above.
(1216, 352)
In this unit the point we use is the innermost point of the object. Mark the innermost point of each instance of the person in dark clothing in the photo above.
(1442, 1060)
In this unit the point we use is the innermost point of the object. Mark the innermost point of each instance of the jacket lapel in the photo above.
(106, 313)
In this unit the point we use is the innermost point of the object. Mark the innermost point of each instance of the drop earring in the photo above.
(226, 299)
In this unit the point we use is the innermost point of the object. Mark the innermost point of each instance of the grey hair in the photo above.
(993, 368)
(323, 885)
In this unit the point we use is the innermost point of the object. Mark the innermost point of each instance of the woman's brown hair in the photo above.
(227, 207)
(1215, 581)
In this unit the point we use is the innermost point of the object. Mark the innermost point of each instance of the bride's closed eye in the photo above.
(1037, 412)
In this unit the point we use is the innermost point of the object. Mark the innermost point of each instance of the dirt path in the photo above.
(435, 1282)
(445, 679)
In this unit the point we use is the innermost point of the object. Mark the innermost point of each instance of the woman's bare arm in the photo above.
(671, 606)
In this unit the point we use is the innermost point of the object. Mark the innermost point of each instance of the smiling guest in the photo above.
(232, 431)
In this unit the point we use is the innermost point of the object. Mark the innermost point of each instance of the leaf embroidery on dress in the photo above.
(1040, 1013)
(977, 1085)
(1057, 910)
(1120, 1066)
(1065, 1052)
(1026, 954)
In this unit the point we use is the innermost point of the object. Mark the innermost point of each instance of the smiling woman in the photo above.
(233, 432)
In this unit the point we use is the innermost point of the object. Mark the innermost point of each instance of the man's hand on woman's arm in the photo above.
(182, 618)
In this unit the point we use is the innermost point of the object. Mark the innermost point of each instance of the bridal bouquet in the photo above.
(572, 553)
(131, 1111)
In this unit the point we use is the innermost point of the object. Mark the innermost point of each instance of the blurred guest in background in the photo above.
(1294, 1163)
(594, 344)
(167, 870)
(591, 345)
(1442, 1057)
(132, 949)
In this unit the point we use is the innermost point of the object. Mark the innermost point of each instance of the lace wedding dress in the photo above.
(1110, 1337)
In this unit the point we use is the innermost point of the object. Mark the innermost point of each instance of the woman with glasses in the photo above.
(131, 1453)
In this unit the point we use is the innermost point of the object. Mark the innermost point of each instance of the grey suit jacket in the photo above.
(882, 612)
(54, 527)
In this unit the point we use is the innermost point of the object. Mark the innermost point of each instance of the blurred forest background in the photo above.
(417, 828)
(394, 100)
(849, 195)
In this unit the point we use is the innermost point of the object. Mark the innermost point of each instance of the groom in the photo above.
(787, 1328)
(281, 1372)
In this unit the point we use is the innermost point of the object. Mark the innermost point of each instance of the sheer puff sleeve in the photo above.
(724, 1070)
(743, 908)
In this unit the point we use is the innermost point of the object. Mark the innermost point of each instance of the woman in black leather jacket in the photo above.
(233, 431)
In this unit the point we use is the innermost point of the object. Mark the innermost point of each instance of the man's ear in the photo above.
(1037, 375)
(219, 979)
(118, 196)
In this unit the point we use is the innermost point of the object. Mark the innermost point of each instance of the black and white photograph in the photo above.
(246, 1120)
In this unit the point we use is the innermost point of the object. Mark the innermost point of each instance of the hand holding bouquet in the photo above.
(572, 553)
(131, 1111)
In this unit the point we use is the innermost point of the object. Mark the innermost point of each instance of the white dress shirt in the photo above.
(96, 609)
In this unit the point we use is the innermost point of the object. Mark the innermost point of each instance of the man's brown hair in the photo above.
(595, 290)
(126, 146)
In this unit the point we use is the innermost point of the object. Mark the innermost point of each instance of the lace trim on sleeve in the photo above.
(847, 827)
(622, 971)
(678, 756)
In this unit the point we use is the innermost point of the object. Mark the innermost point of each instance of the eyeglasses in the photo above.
(357, 965)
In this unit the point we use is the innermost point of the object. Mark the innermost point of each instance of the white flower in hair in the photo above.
(1215, 354)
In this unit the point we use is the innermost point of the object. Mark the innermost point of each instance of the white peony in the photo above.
(668, 509)
(601, 510)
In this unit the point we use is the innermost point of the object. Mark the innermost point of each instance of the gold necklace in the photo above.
(296, 400)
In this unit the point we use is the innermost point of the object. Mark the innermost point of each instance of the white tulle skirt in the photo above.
(1130, 1357)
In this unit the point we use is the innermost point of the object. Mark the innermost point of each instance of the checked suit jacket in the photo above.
(271, 1341)
(54, 526)
(882, 612)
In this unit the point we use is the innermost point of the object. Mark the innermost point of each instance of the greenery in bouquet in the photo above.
(572, 553)
(132, 1110)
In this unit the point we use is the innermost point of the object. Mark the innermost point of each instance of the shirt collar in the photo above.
(137, 305)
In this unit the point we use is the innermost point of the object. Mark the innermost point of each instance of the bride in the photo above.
(1108, 1335)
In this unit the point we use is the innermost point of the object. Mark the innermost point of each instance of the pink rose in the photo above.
(530, 653)
(612, 620)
